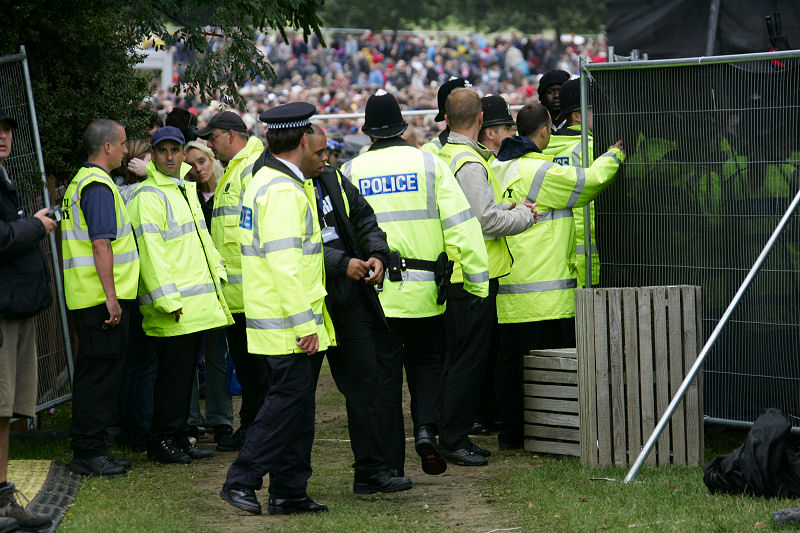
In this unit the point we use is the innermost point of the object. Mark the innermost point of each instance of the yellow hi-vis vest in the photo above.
(423, 211)
(456, 155)
(542, 281)
(180, 268)
(225, 218)
(283, 272)
(566, 150)
(81, 284)
(433, 146)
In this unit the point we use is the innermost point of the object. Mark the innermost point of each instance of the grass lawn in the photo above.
(518, 491)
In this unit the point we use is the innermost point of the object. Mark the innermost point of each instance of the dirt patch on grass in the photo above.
(451, 501)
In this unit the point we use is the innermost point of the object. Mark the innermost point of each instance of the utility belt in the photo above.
(442, 270)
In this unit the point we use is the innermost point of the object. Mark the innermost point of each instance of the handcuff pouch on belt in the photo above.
(442, 270)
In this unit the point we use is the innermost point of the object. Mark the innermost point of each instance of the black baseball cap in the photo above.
(225, 121)
(5, 117)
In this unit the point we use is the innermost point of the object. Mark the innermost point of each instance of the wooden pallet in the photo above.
(635, 346)
(551, 402)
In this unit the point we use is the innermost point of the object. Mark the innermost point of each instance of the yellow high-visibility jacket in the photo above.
(180, 268)
(283, 272)
(82, 286)
(225, 218)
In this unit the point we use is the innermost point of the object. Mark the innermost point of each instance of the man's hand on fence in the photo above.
(618, 145)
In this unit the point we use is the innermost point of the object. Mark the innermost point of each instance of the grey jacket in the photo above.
(495, 219)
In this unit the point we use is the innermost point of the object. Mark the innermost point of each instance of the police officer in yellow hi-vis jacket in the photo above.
(421, 208)
(470, 324)
(180, 290)
(284, 292)
(226, 134)
(535, 302)
(101, 271)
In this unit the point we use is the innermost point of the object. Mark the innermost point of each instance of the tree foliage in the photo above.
(531, 16)
(81, 55)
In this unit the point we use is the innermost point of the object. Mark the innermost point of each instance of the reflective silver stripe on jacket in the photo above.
(226, 210)
(284, 323)
(480, 277)
(555, 214)
(581, 249)
(538, 286)
(538, 180)
(172, 232)
(88, 261)
(577, 153)
(123, 227)
(613, 156)
(419, 275)
(194, 290)
(459, 157)
(255, 249)
(457, 219)
(579, 185)
(234, 279)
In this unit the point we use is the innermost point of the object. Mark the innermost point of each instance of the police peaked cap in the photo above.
(495, 111)
(286, 116)
(554, 77)
(569, 98)
(382, 118)
(445, 90)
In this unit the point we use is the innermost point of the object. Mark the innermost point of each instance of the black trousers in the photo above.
(469, 324)
(279, 440)
(354, 369)
(172, 393)
(97, 376)
(251, 370)
(516, 340)
(416, 344)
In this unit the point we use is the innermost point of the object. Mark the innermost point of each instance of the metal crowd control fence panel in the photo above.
(25, 166)
(713, 163)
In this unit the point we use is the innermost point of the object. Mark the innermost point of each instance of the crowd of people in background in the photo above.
(340, 78)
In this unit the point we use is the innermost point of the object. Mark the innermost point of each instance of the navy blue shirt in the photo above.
(97, 203)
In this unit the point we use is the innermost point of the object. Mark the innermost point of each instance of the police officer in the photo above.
(101, 272)
(549, 91)
(435, 144)
(226, 135)
(566, 149)
(536, 302)
(355, 255)
(419, 205)
(469, 323)
(497, 122)
(283, 279)
(180, 290)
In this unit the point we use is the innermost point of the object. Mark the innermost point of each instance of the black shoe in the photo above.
(221, 432)
(102, 465)
(295, 506)
(167, 452)
(478, 429)
(233, 442)
(380, 482)
(241, 498)
(9, 508)
(124, 463)
(464, 457)
(480, 451)
(7, 524)
(193, 451)
(425, 445)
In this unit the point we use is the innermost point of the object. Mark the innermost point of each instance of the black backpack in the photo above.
(765, 465)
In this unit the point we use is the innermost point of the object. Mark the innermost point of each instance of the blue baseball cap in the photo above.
(167, 133)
